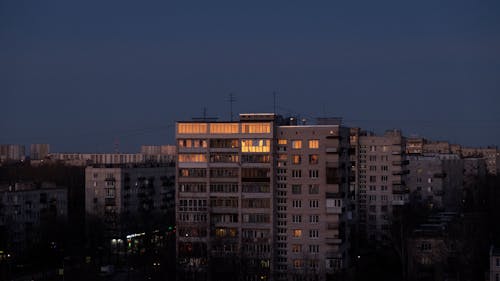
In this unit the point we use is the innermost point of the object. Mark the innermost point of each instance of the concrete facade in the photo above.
(115, 193)
(24, 206)
(379, 180)
(262, 198)
(436, 180)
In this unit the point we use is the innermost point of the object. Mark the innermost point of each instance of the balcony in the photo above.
(332, 226)
(440, 175)
(400, 190)
(398, 183)
(398, 202)
(334, 210)
(400, 173)
(332, 150)
(400, 163)
(334, 241)
(339, 194)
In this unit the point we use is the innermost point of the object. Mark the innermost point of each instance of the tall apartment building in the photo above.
(120, 195)
(39, 151)
(262, 199)
(24, 207)
(158, 153)
(149, 154)
(12, 152)
(436, 181)
(490, 154)
(379, 171)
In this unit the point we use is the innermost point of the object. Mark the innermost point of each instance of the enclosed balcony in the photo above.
(440, 175)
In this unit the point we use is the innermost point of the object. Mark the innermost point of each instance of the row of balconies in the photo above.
(400, 173)
(400, 162)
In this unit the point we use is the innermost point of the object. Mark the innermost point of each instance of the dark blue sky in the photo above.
(80, 75)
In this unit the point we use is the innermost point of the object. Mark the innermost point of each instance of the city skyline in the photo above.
(85, 76)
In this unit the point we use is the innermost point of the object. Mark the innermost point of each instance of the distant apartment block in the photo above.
(158, 153)
(262, 198)
(436, 180)
(418, 145)
(12, 153)
(490, 154)
(379, 172)
(39, 151)
(83, 159)
(24, 207)
(430, 256)
(120, 195)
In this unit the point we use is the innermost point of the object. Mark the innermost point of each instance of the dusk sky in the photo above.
(80, 75)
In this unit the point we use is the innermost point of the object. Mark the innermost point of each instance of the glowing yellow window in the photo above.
(255, 145)
(282, 142)
(233, 232)
(192, 128)
(296, 159)
(297, 233)
(220, 232)
(313, 144)
(224, 128)
(256, 128)
(192, 158)
(296, 144)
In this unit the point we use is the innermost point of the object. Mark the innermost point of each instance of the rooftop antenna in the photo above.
(204, 117)
(231, 101)
(274, 103)
(116, 146)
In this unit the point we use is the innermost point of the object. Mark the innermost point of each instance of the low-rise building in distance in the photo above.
(25, 208)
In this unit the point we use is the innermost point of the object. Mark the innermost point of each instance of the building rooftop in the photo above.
(27, 186)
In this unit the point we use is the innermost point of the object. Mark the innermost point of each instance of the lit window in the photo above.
(255, 145)
(296, 159)
(313, 144)
(313, 159)
(255, 128)
(296, 248)
(192, 143)
(220, 232)
(282, 142)
(191, 128)
(192, 158)
(297, 233)
(296, 144)
(224, 128)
